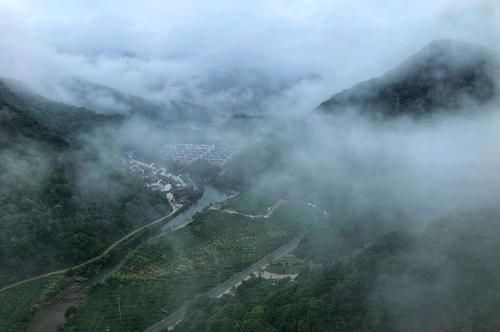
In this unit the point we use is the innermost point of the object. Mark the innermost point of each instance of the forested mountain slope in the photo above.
(445, 75)
(62, 201)
(65, 120)
(107, 100)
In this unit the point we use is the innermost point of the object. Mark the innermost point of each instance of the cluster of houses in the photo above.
(185, 154)
(177, 188)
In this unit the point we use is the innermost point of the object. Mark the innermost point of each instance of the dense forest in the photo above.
(62, 201)
(446, 75)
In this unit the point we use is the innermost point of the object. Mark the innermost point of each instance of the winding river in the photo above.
(210, 195)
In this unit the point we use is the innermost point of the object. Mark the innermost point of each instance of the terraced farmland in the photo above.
(161, 276)
(18, 303)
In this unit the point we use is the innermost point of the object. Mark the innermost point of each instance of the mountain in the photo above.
(249, 91)
(444, 75)
(61, 119)
(63, 199)
(247, 125)
(107, 100)
(17, 124)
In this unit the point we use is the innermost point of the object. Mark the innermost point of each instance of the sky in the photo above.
(176, 49)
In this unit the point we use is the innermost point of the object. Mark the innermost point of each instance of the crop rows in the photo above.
(161, 276)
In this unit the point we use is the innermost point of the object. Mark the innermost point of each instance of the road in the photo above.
(236, 280)
(168, 323)
(104, 253)
(125, 238)
(51, 317)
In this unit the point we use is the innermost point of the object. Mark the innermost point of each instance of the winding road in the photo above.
(174, 211)
(51, 316)
(177, 316)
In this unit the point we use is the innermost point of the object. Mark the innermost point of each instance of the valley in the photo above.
(55, 305)
(279, 166)
(175, 267)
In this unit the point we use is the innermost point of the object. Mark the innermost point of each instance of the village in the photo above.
(175, 181)
(177, 188)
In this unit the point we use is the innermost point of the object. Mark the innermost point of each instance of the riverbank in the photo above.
(51, 316)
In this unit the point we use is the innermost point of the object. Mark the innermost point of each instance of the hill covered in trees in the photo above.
(63, 200)
(445, 75)
(107, 100)
(56, 118)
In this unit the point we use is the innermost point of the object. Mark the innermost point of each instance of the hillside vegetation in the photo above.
(445, 75)
(161, 276)
(444, 279)
(17, 305)
(62, 203)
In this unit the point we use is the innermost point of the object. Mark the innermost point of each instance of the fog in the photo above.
(426, 168)
(278, 57)
(178, 72)
(164, 50)
(281, 58)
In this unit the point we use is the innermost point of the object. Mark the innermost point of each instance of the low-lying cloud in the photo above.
(170, 50)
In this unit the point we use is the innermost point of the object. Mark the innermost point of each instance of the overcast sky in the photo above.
(149, 47)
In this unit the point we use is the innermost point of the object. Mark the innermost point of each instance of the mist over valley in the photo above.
(232, 166)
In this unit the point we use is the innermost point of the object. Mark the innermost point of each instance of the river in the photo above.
(50, 318)
(210, 195)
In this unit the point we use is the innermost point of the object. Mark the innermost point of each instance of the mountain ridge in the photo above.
(444, 75)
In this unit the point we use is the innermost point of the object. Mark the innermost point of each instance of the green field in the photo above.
(17, 304)
(160, 276)
(250, 203)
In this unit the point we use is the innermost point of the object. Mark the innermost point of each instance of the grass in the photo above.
(18, 304)
(160, 276)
